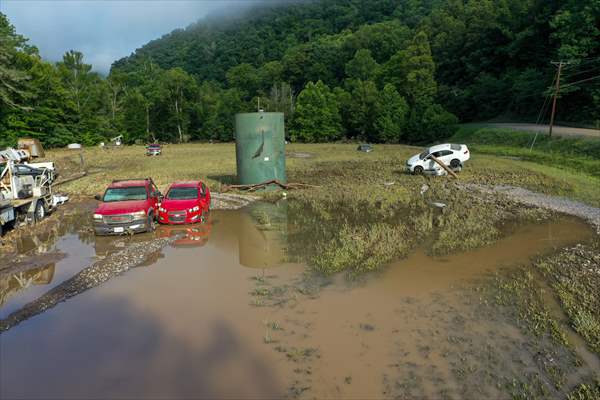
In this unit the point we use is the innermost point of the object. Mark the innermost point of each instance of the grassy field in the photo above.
(215, 163)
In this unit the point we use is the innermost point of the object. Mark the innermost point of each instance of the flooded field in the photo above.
(222, 313)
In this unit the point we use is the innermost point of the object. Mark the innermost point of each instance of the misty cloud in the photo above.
(104, 30)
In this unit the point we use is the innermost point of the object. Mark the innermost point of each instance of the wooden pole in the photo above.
(560, 65)
(448, 170)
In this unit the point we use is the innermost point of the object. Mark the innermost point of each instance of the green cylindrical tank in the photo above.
(260, 147)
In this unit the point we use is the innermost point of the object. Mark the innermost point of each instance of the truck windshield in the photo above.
(126, 193)
(183, 193)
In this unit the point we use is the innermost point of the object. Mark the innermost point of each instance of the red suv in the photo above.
(185, 203)
(128, 206)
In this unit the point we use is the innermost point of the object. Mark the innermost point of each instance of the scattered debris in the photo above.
(263, 185)
(230, 201)
(438, 205)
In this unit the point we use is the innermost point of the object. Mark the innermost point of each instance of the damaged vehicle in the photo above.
(452, 155)
(127, 207)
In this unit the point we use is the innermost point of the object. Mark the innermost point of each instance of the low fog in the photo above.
(107, 30)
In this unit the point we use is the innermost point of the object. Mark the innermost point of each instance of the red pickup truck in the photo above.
(127, 206)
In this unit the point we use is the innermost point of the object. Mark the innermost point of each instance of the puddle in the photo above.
(198, 321)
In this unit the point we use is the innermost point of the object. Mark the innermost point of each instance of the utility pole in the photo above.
(560, 65)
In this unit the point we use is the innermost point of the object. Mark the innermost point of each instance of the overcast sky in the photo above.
(104, 30)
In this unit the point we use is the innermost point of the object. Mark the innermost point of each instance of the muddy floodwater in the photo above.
(220, 313)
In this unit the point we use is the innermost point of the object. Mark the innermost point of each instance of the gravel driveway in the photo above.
(557, 130)
(554, 203)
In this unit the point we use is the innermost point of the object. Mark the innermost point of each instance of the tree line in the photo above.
(379, 70)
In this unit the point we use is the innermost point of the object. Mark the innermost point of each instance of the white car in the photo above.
(453, 155)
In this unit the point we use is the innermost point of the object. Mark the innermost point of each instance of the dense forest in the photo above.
(376, 70)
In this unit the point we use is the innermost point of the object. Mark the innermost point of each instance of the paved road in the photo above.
(557, 130)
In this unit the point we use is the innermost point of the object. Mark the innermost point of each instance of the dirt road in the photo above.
(557, 130)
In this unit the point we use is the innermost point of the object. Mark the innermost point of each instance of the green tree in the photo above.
(178, 88)
(362, 66)
(12, 80)
(361, 109)
(77, 79)
(244, 77)
(391, 114)
(133, 116)
(117, 84)
(317, 116)
(412, 71)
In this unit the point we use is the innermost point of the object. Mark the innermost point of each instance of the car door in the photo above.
(446, 156)
(205, 197)
(154, 198)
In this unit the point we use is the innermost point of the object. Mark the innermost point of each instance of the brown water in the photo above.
(220, 314)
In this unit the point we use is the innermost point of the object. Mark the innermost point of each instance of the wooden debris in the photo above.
(258, 186)
(441, 164)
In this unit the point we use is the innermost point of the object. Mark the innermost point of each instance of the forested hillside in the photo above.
(376, 70)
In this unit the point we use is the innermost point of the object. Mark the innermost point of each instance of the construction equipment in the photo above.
(25, 188)
(117, 140)
(33, 146)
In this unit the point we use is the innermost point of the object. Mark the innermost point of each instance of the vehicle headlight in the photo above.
(162, 209)
(195, 209)
(138, 214)
(98, 217)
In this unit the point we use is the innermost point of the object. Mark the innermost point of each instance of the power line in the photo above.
(581, 81)
(581, 61)
(584, 72)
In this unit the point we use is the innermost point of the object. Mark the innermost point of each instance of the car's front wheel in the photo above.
(418, 170)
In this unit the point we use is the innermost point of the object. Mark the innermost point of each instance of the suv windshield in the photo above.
(424, 154)
(183, 193)
(126, 193)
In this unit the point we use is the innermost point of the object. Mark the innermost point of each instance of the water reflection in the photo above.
(189, 235)
(12, 284)
(262, 235)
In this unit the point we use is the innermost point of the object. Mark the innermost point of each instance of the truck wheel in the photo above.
(418, 170)
(40, 211)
